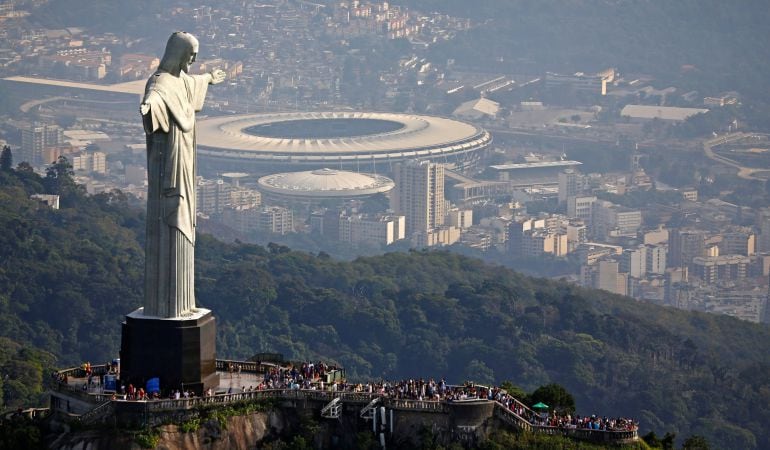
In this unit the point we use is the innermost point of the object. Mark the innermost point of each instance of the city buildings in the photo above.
(568, 185)
(377, 230)
(581, 208)
(634, 261)
(314, 64)
(737, 243)
(763, 224)
(419, 195)
(460, 218)
(684, 245)
(89, 162)
(275, 219)
(581, 83)
(656, 259)
(35, 139)
(610, 220)
(713, 269)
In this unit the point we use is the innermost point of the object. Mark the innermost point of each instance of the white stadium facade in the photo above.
(359, 141)
(292, 141)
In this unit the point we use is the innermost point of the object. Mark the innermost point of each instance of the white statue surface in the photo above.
(171, 99)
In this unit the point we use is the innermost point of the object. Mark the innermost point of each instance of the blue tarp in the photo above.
(110, 383)
(153, 385)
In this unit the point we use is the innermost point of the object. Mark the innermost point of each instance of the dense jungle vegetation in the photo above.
(68, 276)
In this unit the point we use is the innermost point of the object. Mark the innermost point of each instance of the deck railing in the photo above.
(80, 394)
(30, 413)
(511, 418)
(105, 405)
(586, 434)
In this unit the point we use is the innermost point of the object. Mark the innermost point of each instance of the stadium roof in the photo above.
(405, 136)
(130, 87)
(535, 165)
(660, 112)
(478, 107)
(325, 183)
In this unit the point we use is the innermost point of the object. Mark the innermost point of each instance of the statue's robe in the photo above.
(170, 242)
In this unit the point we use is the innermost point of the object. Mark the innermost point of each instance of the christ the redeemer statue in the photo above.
(171, 99)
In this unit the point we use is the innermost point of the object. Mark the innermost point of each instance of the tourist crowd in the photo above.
(313, 376)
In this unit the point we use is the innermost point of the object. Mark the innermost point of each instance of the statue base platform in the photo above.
(180, 351)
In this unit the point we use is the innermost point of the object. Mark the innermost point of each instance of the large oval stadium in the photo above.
(361, 141)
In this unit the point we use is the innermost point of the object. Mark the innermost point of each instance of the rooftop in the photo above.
(660, 112)
(533, 165)
(336, 136)
(130, 87)
(324, 183)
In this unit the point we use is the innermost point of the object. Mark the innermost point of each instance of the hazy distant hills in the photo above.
(710, 45)
(722, 40)
(67, 277)
(134, 19)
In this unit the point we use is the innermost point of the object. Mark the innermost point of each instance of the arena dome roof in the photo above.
(325, 183)
(336, 139)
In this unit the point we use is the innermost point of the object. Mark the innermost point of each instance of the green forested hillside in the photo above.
(67, 278)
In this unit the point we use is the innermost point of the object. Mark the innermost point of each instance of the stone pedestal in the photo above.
(181, 352)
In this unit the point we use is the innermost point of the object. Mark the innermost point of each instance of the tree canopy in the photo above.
(6, 159)
(69, 276)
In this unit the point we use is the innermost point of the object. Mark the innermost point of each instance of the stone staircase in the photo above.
(98, 414)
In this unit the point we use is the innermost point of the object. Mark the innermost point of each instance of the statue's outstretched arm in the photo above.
(217, 76)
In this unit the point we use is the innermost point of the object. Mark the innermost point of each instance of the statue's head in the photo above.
(181, 50)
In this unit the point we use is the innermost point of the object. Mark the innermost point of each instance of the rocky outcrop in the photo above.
(403, 423)
(238, 433)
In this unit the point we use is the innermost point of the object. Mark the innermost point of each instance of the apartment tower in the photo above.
(419, 195)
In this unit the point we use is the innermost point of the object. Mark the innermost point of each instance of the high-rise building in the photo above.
(711, 269)
(684, 245)
(763, 224)
(656, 259)
(634, 261)
(212, 195)
(420, 195)
(737, 243)
(577, 233)
(613, 220)
(677, 287)
(516, 230)
(581, 208)
(609, 277)
(460, 218)
(276, 219)
(568, 185)
(35, 138)
(765, 317)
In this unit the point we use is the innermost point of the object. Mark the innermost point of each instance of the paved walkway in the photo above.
(228, 382)
(237, 382)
